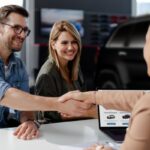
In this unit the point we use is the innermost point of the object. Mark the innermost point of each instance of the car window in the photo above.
(119, 37)
(137, 38)
(129, 36)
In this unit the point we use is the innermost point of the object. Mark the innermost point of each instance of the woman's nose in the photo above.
(70, 46)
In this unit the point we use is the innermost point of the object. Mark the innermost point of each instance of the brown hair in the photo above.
(57, 29)
(8, 9)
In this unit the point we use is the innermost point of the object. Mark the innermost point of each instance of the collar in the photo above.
(12, 59)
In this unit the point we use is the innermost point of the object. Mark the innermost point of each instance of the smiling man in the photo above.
(13, 31)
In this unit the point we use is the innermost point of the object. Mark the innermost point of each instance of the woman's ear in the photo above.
(53, 45)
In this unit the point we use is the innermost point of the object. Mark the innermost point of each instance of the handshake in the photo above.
(76, 103)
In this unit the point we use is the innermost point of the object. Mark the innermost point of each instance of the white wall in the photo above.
(140, 7)
(31, 53)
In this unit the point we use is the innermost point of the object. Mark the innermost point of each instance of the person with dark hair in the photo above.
(14, 86)
(61, 72)
(135, 101)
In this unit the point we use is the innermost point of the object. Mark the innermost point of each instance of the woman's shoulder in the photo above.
(48, 67)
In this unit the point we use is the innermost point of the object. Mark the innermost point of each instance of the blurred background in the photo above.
(112, 32)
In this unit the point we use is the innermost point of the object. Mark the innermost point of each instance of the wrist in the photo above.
(37, 124)
(94, 93)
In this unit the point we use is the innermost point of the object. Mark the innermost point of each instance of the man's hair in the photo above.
(8, 9)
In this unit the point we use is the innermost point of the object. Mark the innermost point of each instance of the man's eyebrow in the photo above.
(20, 25)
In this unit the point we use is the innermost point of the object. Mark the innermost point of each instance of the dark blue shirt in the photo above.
(15, 76)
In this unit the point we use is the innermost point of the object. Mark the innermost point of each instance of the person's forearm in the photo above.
(118, 99)
(20, 100)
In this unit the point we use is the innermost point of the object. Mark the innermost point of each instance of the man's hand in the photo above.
(27, 131)
(73, 107)
(88, 113)
(87, 97)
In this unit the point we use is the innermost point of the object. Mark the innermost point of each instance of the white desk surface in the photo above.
(58, 136)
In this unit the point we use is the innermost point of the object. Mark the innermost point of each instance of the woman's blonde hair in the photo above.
(57, 29)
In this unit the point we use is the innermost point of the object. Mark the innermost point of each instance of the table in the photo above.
(57, 136)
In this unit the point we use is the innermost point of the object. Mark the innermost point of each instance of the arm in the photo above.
(138, 133)
(110, 99)
(20, 100)
(119, 99)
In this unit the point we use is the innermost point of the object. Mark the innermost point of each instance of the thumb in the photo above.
(68, 96)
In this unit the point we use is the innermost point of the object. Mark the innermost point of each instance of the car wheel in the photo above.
(109, 85)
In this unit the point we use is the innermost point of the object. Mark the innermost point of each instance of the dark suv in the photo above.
(121, 64)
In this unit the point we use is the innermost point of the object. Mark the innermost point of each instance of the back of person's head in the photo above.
(57, 29)
(5, 11)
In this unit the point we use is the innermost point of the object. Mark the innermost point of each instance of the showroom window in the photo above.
(119, 38)
(137, 39)
(8, 2)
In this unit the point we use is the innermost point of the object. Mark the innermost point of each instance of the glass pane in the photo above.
(8, 2)
(137, 38)
(119, 38)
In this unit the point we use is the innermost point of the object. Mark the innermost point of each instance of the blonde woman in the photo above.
(61, 72)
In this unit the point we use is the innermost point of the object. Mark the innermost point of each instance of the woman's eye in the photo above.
(64, 42)
(74, 42)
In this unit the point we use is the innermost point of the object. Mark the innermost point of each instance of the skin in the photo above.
(146, 51)
(66, 48)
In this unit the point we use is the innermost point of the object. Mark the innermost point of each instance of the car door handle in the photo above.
(122, 53)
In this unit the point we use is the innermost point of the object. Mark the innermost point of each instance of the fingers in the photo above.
(96, 147)
(20, 130)
(87, 97)
(27, 131)
(74, 108)
(65, 115)
(70, 95)
(85, 105)
(93, 147)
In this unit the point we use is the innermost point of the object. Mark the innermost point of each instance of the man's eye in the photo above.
(17, 27)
